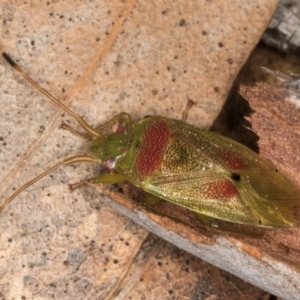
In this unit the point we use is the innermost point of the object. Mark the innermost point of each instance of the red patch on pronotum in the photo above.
(222, 189)
(152, 150)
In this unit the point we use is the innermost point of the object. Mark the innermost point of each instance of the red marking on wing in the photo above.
(221, 189)
(152, 150)
(232, 159)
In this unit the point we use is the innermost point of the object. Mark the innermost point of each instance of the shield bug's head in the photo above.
(109, 148)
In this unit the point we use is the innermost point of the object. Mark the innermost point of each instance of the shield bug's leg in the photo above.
(67, 161)
(121, 116)
(189, 104)
(254, 234)
(139, 195)
(208, 221)
(211, 222)
(65, 126)
(150, 200)
(113, 178)
(88, 128)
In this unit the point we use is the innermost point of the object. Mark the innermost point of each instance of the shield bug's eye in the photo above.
(111, 163)
(120, 129)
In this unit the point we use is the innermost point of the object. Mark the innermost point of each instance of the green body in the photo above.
(201, 171)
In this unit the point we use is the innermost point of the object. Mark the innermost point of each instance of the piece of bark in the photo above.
(277, 121)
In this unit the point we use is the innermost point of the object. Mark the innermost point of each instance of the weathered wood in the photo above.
(283, 32)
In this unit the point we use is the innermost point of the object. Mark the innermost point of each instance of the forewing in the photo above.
(215, 176)
(248, 200)
(204, 192)
(271, 196)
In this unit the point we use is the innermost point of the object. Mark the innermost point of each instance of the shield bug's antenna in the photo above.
(88, 128)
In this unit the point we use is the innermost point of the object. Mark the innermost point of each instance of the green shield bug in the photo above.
(207, 173)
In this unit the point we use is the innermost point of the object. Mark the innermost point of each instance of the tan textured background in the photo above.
(101, 58)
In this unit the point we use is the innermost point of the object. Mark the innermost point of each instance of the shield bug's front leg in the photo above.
(112, 178)
(116, 119)
(65, 126)
(121, 116)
